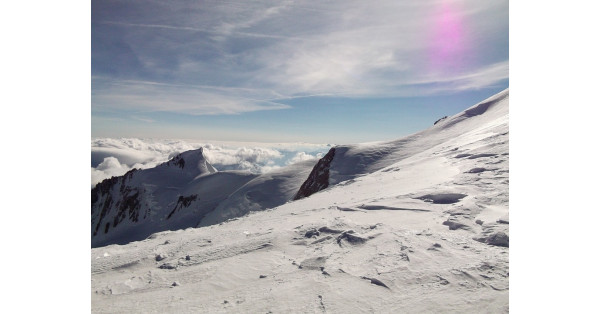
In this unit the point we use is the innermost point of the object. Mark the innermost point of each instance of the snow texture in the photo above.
(402, 227)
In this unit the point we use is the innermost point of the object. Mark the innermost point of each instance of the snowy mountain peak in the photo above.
(184, 192)
(192, 162)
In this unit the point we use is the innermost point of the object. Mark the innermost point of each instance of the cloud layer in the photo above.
(114, 157)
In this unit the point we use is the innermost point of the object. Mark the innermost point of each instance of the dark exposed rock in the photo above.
(127, 176)
(102, 192)
(440, 119)
(129, 204)
(182, 202)
(318, 178)
(177, 161)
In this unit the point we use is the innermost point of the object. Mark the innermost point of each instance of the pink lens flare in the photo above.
(449, 45)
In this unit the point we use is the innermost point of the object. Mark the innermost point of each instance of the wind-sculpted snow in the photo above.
(409, 230)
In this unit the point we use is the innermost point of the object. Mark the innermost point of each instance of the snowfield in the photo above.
(416, 225)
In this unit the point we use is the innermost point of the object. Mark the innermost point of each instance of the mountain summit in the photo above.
(141, 202)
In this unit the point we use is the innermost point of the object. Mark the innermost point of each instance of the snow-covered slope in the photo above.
(352, 161)
(417, 225)
(265, 191)
(184, 192)
(173, 195)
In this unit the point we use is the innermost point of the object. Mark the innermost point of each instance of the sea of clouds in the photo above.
(114, 157)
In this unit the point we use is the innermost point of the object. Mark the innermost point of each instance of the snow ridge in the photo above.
(352, 161)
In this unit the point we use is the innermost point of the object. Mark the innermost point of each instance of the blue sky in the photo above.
(281, 71)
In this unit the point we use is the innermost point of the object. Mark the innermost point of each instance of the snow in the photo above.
(186, 192)
(396, 231)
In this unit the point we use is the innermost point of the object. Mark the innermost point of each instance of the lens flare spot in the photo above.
(449, 41)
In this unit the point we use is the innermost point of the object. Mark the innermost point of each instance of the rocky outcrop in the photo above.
(121, 206)
(183, 202)
(440, 119)
(103, 201)
(318, 178)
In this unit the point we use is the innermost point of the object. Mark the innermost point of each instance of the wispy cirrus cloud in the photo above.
(227, 57)
(144, 96)
(225, 31)
(143, 119)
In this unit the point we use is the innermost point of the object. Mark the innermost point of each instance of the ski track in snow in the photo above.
(412, 236)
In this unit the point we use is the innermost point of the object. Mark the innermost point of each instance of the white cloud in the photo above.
(302, 156)
(114, 157)
(254, 159)
(108, 168)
